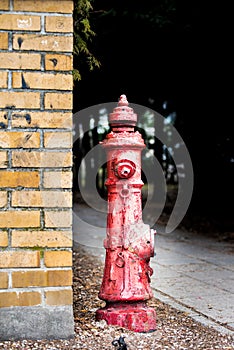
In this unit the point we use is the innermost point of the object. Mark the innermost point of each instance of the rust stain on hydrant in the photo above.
(129, 243)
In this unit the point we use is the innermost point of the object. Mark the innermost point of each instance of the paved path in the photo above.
(192, 273)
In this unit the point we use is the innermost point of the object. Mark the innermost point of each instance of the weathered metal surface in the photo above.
(129, 243)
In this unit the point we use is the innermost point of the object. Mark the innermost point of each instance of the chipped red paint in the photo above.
(129, 243)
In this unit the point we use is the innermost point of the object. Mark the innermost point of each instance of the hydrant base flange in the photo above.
(137, 316)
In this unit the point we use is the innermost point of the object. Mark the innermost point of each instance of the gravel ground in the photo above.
(175, 330)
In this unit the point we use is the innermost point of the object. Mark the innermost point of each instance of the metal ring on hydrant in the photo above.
(125, 192)
(124, 168)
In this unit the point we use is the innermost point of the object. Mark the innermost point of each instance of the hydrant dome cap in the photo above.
(123, 101)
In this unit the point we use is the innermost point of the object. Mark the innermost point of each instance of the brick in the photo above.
(3, 41)
(3, 159)
(3, 239)
(59, 297)
(3, 198)
(33, 278)
(3, 80)
(58, 179)
(58, 140)
(8, 299)
(55, 100)
(3, 120)
(19, 99)
(15, 60)
(61, 6)
(43, 199)
(58, 219)
(18, 139)
(3, 280)
(41, 80)
(52, 278)
(19, 259)
(19, 179)
(43, 42)
(4, 5)
(20, 22)
(17, 219)
(59, 24)
(42, 120)
(29, 298)
(58, 62)
(41, 159)
(59, 278)
(50, 239)
(58, 258)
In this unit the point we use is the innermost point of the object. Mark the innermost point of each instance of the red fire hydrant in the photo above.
(129, 243)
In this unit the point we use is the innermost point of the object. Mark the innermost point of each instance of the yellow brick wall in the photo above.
(36, 44)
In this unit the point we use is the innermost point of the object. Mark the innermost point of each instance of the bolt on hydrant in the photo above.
(129, 243)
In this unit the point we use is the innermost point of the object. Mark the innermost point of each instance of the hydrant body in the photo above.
(129, 243)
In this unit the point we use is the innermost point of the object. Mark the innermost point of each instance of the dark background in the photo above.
(183, 56)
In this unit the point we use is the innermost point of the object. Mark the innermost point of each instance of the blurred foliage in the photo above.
(157, 14)
(83, 35)
(102, 15)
